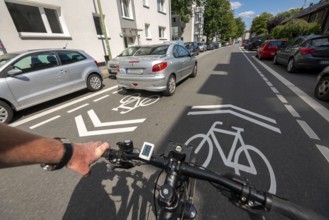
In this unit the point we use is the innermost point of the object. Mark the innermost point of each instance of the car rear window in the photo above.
(67, 57)
(157, 50)
(129, 51)
(6, 58)
(318, 42)
(276, 43)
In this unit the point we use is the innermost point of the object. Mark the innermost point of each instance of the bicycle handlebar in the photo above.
(240, 192)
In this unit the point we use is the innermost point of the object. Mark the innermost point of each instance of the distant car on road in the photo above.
(210, 46)
(157, 68)
(113, 65)
(255, 42)
(192, 47)
(202, 46)
(304, 52)
(322, 86)
(28, 78)
(268, 48)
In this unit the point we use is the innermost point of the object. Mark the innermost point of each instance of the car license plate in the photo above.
(134, 71)
(324, 62)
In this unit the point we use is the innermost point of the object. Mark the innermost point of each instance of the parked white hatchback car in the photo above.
(28, 78)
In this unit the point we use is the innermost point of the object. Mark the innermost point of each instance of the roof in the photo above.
(312, 8)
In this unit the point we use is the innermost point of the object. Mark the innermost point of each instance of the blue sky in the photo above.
(249, 9)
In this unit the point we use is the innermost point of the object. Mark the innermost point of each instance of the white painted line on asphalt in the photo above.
(234, 107)
(77, 108)
(269, 83)
(44, 122)
(103, 97)
(275, 90)
(308, 130)
(97, 123)
(302, 95)
(83, 132)
(292, 111)
(23, 121)
(324, 150)
(282, 99)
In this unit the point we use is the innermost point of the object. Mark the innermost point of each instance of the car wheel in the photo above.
(6, 113)
(94, 82)
(195, 71)
(171, 86)
(291, 66)
(275, 60)
(322, 89)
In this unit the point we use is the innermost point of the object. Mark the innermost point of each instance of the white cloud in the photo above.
(235, 5)
(246, 14)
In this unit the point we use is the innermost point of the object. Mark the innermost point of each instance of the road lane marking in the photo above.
(23, 121)
(324, 151)
(292, 111)
(282, 99)
(44, 122)
(97, 123)
(245, 117)
(77, 108)
(274, 90)
(103, 97)
(302, 95)
(83, 132)
(308, 130)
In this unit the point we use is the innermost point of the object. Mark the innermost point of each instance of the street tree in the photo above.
(183, 8)
(241, 27)
(259, 24)
(218, 19)
(280, 17)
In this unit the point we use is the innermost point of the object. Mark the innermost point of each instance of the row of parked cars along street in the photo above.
(301, 53)
(28, 78)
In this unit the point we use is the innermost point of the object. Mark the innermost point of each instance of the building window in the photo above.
(162, 32)
(37, 21)
(98, 26)
(146, 3)
(147, 31)
(161, 6)
(126, 9)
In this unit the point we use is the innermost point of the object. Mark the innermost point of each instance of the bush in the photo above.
(295, 28)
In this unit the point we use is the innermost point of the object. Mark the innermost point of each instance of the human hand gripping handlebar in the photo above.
(239, 191)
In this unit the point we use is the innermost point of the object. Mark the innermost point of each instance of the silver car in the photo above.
(113, 65)
(28, 78)
(157, 68)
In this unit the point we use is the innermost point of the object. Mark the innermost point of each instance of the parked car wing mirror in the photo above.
(14, 72)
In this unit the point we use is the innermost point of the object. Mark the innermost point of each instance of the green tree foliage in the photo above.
(241, 27)
(277, 20)
(294, 28)
(259, 24)
(219, 19)
(183, 8)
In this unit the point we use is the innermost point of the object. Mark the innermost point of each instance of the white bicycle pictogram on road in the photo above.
(133, 101)
(238, 148)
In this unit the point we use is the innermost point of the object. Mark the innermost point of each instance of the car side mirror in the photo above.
(192, 54)
(14, 72)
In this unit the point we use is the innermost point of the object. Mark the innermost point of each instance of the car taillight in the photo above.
(159, 67)
(305, 50)
(96, 63)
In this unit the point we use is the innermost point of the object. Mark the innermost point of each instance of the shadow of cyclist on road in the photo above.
(114, 195)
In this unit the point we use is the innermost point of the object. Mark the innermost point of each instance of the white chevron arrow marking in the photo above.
(82, 129)
(97, 123)
(83, 132)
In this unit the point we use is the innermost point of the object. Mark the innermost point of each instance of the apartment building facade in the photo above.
(34, 24)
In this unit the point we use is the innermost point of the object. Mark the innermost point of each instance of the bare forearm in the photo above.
(21, 148)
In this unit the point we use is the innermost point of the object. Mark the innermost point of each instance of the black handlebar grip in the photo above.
(292, 210)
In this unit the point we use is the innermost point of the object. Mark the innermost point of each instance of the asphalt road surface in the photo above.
(243, 116)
